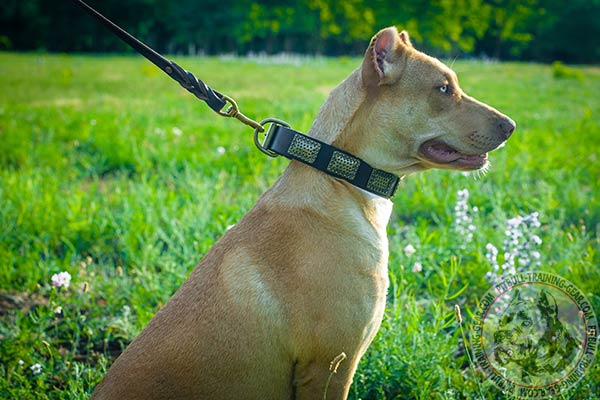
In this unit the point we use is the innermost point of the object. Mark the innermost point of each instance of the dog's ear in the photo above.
(405, 39)
(384, 61)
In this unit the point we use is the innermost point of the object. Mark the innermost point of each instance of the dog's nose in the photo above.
(507, 126)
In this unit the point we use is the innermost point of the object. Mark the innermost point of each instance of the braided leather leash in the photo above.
(280, 139)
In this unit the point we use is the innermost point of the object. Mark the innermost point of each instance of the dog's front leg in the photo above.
(316, 379)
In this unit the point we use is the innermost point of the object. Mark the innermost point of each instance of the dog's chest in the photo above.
(358, 279)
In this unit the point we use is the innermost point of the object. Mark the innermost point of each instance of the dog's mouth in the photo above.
(442, 155)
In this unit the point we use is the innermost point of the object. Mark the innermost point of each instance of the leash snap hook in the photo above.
(274, 124)
(233, 111)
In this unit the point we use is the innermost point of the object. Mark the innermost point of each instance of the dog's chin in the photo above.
(437, 154)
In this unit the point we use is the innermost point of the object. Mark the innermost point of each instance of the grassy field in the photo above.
(111, 172)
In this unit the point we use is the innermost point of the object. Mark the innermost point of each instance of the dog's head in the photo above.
(426, 120)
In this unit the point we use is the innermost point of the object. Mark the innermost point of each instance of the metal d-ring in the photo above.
(261, 146)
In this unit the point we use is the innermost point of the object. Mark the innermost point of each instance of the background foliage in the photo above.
(543, 30)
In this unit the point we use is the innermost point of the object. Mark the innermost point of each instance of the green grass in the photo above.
(95, 180)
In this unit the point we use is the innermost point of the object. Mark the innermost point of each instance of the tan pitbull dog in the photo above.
(303, 276)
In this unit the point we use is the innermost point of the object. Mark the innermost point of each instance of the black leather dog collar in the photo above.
(329, 159)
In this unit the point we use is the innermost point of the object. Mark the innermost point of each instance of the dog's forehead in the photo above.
(444, 71)
(430, 68)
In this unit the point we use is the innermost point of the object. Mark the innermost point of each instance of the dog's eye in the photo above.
(444, 88)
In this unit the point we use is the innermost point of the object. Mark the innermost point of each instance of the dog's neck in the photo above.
(304, 186)
(343, 102)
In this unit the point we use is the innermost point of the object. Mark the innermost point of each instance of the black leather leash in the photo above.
(186, 79)
(280, 139)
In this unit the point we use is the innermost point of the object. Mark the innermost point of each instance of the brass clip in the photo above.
(233, 111)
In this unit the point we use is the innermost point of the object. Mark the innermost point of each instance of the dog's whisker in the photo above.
(453, 61)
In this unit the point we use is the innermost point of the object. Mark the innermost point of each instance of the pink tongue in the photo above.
(440, 152)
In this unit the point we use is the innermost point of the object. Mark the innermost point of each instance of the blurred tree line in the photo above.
(542, 30)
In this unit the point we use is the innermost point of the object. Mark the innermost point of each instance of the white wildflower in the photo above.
(491, 254)
(176, 131)
(58, 310)
(62, 279)
(409, 250)
(36, 368)
(520, 247)
(220, 150)
(417, 267)
(463, 217)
